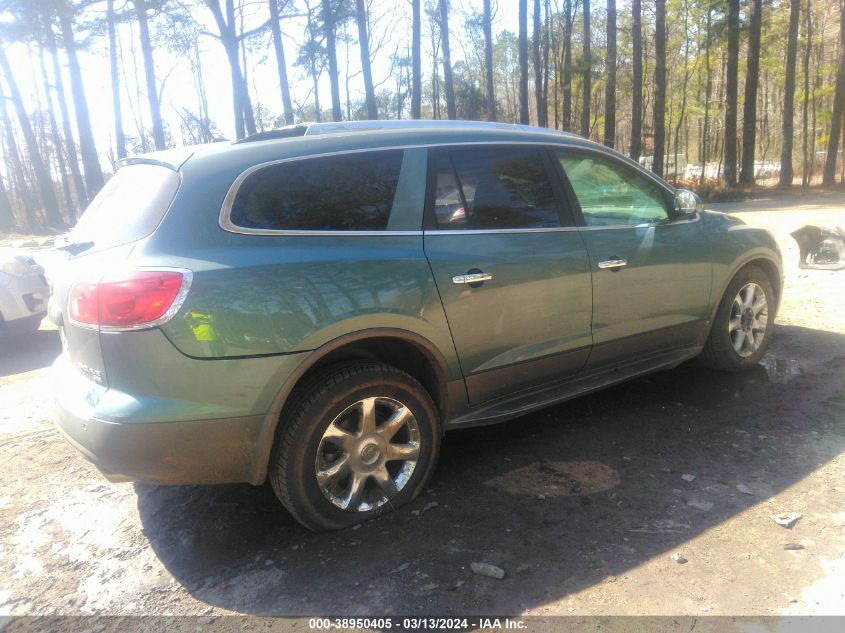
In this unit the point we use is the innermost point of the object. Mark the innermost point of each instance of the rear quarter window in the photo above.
(345, 192)
(129, 207)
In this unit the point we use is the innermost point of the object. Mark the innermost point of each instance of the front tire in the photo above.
(358, 440)
(743, 324)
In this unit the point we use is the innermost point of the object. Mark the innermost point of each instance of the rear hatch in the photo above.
(127, 210)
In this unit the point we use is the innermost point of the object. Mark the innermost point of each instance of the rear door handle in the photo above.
(613, 262)
(472, 278)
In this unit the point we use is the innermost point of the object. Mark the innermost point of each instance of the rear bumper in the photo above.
(193, 452)
(136, 437)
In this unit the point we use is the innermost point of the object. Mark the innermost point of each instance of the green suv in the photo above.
(319, 304)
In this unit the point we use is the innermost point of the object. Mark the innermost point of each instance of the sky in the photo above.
(393, 31)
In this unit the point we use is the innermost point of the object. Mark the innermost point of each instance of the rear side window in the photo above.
(494, 189)
(347, 192)
(129, 207)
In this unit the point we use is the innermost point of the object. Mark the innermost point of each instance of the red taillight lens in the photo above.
(82, 304)
(134, 300)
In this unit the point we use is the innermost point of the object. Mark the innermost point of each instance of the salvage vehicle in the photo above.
(23, 293)
(318, 305)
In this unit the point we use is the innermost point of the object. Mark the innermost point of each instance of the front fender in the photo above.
(735, 245)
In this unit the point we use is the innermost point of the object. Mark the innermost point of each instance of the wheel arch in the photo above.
(770, 264)
(402, 349)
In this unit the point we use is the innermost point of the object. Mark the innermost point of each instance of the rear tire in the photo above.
(358, 440)
(743, 323)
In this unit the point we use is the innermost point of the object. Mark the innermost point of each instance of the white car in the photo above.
(23, 293)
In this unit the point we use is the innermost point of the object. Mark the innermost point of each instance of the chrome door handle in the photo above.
(472, 278)
(613, 262)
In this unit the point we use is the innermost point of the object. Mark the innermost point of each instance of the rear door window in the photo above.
(129, 207)
(494, 189)
(344, 192)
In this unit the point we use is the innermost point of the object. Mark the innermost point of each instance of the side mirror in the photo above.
(687, 203)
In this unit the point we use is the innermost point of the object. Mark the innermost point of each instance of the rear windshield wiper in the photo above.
(74, 248)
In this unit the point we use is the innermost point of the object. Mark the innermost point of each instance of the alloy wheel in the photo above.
(749, 319)
(367, 454)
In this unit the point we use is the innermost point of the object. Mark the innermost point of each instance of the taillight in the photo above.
(136, 300)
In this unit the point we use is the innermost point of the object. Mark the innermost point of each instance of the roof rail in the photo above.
(413, 124)
(289, 131)
(336, 127)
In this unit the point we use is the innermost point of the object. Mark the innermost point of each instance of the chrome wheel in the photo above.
(749, 319)
(367, 454)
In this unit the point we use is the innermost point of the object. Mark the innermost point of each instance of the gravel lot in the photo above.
(584, 505)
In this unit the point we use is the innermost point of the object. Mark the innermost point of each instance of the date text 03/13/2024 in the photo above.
(417, 623)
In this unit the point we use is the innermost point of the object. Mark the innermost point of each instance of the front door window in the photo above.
(610, 194)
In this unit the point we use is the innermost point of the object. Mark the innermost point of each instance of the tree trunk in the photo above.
(447, 60)
(708, 91)
(70, 144)
(364, 46)
(281, 64)
(57, 140)
(8, 222)
(241, 104)
(752, 80)
(683, 92)
(523, 62)
(331, 54)
(829, 177)
(545, 61)
(542, 113)
(658, 154)
(731, 89)
(119, 137)
(242, 66)
(786, 170)
(435, 72)
(238, 88)
(150, 75)
(808, 33)
(42, 174)
(135, 105)
(87, 148)
(17, 175)
(558, 73)
(587, 69)
(416, 61)
(312, 65)
(637, 87)
(488, 61)
(566, 114)
(610, 85)
(315, 79)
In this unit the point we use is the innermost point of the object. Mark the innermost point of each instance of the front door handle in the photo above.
(472, 278)
(613, 262)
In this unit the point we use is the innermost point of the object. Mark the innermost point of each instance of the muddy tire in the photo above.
(358, 440)
(743, 323)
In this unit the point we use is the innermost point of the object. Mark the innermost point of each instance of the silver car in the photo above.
(23, 293)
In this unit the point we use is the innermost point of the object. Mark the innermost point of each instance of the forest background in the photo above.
(715, 95)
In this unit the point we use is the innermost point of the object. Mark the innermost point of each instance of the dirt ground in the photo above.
(584, 505)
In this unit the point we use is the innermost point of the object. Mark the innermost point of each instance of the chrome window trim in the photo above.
(555, 229)
(225, 220)
(234, 228)
(644, 225)
(549, 229)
